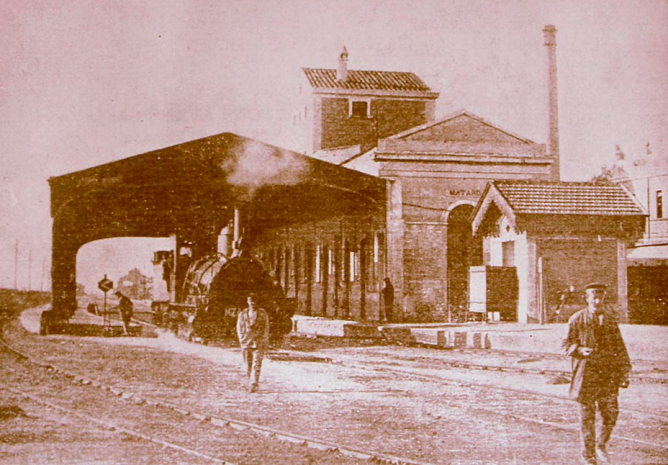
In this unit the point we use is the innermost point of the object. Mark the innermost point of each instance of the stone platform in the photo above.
(644, 342)
(316, 326)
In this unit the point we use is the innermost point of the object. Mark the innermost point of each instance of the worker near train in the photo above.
(601, 365)
(126, 309)
(253, 332)
(387, 296)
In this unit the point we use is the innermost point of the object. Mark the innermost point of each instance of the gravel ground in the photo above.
(356, 396)
(74, 423)
(41, 435)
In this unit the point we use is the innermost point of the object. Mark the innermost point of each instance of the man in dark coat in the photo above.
(387, 294)
(601, 365)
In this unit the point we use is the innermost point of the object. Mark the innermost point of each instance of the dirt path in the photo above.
(319, 394)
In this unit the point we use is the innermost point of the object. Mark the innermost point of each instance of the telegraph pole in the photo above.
(41, 282)
(16, 265)
(30, 270)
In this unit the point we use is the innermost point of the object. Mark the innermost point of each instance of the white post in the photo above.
(622, 282)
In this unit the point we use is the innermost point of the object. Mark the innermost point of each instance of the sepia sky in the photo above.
(84, 83)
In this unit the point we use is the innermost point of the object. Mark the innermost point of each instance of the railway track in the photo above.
(111, 426)
(342, 451)
(541, 371)
(342, 454)
(527, 419)
(468, 365)
(474, 366)
(442, 377)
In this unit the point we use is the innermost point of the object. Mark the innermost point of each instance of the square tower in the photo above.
(344, 108)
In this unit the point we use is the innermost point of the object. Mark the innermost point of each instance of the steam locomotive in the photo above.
(215, 289)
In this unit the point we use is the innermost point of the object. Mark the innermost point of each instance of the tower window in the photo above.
(659, 204)
(359, 109)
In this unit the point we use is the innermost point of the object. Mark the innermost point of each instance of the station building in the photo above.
(543, 241)
(646, 176)
(383, 123)
(384, 189)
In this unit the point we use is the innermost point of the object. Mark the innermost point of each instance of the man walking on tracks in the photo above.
(125, 307)
(253, 332)
(601, 365)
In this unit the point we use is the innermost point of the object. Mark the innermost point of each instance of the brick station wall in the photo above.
(395, 116)
(425, 268)
(390, 116)
(576, 261)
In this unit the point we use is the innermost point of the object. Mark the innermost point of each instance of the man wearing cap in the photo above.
(601, 365)
(253, 332)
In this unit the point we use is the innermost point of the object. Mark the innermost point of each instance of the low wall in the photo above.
(335, 328)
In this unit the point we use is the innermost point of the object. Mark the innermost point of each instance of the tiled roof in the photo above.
(568, 198)
(366, 80)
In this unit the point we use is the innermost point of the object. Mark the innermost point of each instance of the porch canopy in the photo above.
(561, 208)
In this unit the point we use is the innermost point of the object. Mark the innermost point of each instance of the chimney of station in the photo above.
(342, 71)
(550, 33)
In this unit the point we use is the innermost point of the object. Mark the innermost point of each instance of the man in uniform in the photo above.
(253, 332)
(601, 365)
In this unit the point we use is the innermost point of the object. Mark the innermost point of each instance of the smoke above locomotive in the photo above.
(251, 165)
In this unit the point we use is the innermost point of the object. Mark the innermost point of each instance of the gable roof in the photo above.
(450, 118)
(464, 134)
(568, 198)
(230, 162)
(321, 78)
(522, 199)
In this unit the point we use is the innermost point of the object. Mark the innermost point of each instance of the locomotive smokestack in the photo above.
(237, 227)
(550, 33)
(225, 241)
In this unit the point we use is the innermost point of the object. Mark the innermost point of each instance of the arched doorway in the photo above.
(463, 252)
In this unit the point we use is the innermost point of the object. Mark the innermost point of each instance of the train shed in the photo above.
(191, 191)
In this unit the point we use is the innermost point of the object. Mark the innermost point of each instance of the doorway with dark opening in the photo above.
(463, 252)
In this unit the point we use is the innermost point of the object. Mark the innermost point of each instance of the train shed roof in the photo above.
(184, 181)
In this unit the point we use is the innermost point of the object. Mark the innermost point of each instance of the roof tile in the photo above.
(366, 80)
(568, 198)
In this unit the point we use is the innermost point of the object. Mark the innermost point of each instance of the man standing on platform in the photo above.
(601, 365)
(253, 332)
(387, 295)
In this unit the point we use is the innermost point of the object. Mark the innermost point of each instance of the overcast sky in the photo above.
(88, 82)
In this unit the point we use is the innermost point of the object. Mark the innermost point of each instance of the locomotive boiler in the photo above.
(214, 291)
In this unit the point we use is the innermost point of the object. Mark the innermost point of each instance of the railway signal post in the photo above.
(105, 285)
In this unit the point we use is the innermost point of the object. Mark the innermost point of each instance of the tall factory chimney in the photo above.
(550, 33)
